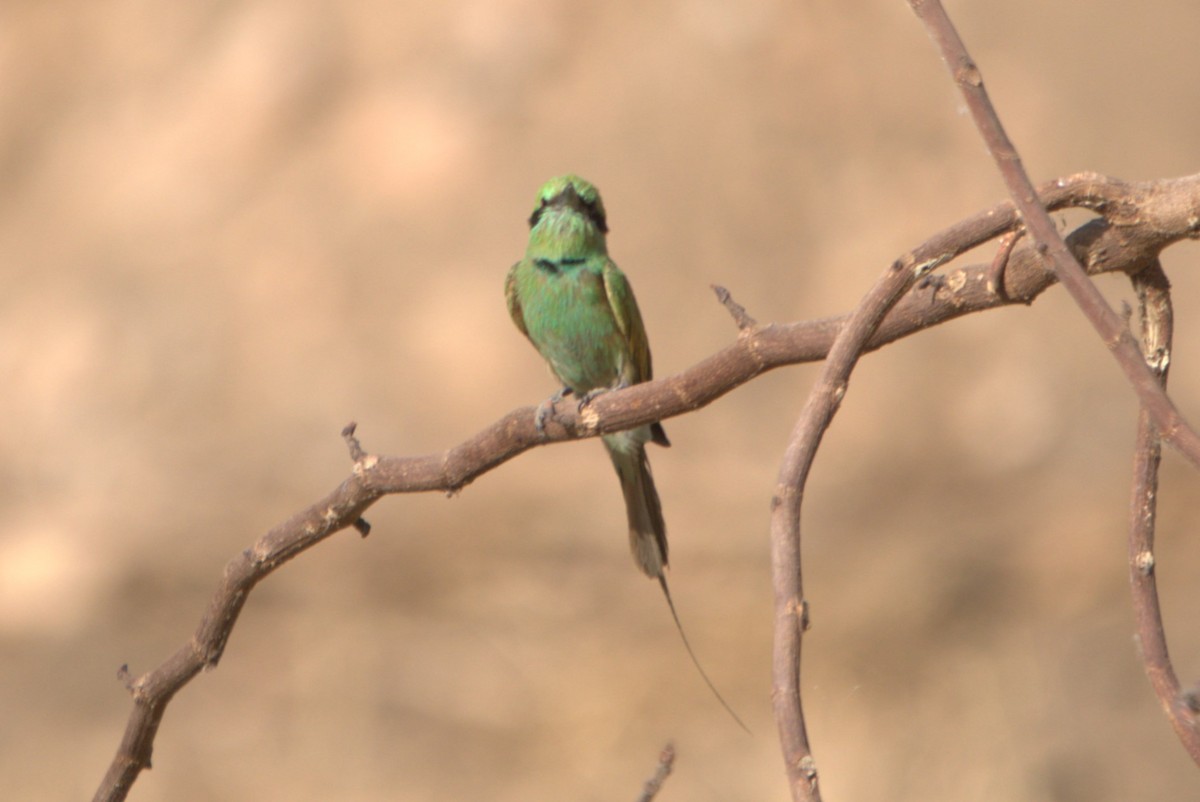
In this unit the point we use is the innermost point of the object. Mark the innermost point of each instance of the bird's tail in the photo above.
(662, 581)
(647, 530)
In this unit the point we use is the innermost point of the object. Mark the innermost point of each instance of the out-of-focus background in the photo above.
(228, 229)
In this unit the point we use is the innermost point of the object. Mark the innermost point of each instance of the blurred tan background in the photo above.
(228, 229)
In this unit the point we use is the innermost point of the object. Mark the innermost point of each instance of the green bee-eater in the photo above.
(576, 307)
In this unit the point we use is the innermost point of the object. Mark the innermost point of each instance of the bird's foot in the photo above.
(546, 409)
(596, 392)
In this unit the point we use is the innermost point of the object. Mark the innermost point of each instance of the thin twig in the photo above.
(736, 310)
(666, 761)
(1116, 337)
(1154, 300)
(356, 449)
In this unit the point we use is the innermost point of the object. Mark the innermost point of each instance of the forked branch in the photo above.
(1108, 324)
(1136, 221)
(864, 327)
(1147, 373)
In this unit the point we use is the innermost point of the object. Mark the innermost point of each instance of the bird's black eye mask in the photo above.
(597, 217)
(589, 209)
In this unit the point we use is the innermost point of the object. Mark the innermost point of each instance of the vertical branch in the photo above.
(1154, 299)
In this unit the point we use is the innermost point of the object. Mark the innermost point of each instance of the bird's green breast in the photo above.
(567, 315)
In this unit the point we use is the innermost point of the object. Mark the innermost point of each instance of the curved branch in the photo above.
(1139, 220)
(791, 608)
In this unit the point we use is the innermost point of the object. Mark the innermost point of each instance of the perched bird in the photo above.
(577, 308)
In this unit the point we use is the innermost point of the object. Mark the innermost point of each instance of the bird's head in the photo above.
(567, 196)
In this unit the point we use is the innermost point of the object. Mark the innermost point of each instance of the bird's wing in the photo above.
(629, 320)
(514, 303)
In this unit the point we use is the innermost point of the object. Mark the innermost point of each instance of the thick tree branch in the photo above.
(1137, 222)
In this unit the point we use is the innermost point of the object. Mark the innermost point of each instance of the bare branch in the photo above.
(1138, 221)
(867, 328)
(1154, 299)
(1158, 418)
(666, 761)
(1116, 336)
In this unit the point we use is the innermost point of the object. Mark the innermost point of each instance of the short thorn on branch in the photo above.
(737, 311)
(357, 454)
(356, 449)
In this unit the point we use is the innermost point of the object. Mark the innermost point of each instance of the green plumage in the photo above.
(576, 307)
